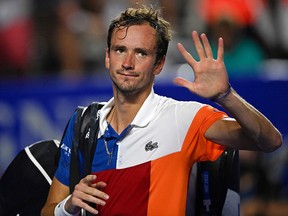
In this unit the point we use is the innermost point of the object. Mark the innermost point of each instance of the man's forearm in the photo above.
(254, 124)
(48, 210)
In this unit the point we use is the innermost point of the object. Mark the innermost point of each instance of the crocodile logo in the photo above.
(151, 145)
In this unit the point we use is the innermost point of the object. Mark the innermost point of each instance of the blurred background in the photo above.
(52, 60)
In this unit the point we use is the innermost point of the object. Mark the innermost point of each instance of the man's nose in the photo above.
(128, 62)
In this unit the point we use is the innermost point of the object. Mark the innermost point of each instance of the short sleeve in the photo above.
(200, 148)
(63, 171)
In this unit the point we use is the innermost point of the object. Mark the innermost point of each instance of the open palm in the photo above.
(210, 74)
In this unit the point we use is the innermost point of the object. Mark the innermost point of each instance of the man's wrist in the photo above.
(60, 209)
(221, 96)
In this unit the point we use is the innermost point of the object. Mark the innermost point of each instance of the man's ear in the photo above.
(159, 65)
(107, 59)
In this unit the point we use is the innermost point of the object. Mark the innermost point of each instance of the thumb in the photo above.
(184, 83)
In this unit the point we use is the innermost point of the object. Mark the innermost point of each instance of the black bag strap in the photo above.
(86, 128)
(90, 143)
(214, 178)
(74, 162)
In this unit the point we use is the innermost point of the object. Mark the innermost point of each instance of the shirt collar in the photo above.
(142, 118)
(147, 111)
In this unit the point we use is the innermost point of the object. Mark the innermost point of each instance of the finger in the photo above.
(89, 179)
(87, 194)
(198, 45)
(90, 191)
(84, 187)
(82, 200)
(87, 207)
(220, 52)
(90, 209)
(187, 56)
(184, 83)
(207, 46)
(94, 199)
(99, 185)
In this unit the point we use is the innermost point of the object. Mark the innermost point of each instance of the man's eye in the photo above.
(142, 54)
(119, 50)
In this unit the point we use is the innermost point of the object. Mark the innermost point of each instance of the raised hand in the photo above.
(210, 74)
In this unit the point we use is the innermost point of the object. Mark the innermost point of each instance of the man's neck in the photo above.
(126, 108)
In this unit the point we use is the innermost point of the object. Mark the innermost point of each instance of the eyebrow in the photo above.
(118, 47)
(148, 51)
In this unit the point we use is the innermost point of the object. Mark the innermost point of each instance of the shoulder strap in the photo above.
(86, 129)
(89, 132)
(74, 162)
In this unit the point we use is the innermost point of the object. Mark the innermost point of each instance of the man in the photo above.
(129, 179)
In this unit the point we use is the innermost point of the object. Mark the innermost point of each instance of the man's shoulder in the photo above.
(168, 101)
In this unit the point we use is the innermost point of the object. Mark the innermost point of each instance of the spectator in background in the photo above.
(233, 20)
(81, 31)
(16, 37)
(264, 186)
(272, 24)
(79, 36)
(281, 15)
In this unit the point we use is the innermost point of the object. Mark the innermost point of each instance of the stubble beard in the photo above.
(130, 89)
(125, 89)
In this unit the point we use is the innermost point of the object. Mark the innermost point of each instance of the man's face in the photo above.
(131, 59)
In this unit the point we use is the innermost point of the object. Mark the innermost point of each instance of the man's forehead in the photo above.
(141, 35)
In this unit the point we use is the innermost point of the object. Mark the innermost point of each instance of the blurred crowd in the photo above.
(264, 183)
(68, 37)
